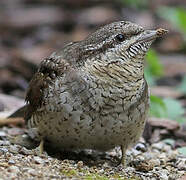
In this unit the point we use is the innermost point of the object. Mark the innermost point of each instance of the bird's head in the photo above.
(120, 40)
(122, 43)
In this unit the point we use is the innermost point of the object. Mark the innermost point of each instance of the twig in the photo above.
(15, 121)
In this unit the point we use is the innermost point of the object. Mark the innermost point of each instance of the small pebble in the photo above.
(4, 143)
(135, 152)
(101, 170)
(181, 164)
(26, 151)
(163, 175)
(32, 172)
(166, 148)
(158, 146)
(163, 156)
(169, 141)
(140, 158)
(38, 160)
(141, 147)
(182, 150)
(144, 166)
(2, 134)
(81, 174)
(3, 150)
(80, 164)
(11, 161)
(15, 131)
(14, 149)
(148, 155)
(155, 151)
(25, 169)
(155, 162)
(13, 169)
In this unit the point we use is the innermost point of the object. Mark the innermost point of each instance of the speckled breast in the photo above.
(98, 118)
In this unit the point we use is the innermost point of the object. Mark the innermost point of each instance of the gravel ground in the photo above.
(157, 161)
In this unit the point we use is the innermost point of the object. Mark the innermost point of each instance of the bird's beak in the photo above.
(150, 35)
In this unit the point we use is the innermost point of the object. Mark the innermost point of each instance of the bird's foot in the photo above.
(40, 148)
(123, 158)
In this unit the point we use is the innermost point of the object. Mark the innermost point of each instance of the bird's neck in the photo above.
(127, 75)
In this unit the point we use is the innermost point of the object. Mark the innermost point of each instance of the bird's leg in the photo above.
(123, 158)
(41, 147)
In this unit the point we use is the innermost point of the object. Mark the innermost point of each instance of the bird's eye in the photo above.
(120, 37)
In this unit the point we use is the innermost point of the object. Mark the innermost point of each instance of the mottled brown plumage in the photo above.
(92, 94)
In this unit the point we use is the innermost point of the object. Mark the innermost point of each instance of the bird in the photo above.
(92, 94)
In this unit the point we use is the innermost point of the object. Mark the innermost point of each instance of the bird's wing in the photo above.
(49, 69)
